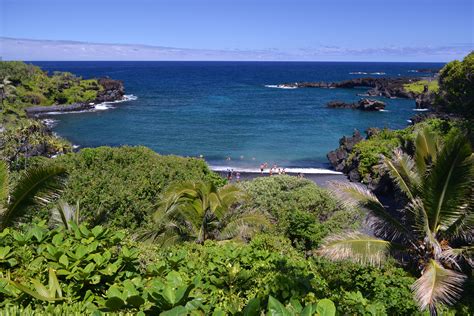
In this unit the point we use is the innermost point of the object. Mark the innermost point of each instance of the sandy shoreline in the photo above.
(320, 179)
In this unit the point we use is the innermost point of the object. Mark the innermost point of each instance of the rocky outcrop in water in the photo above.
(113, 90)
(362, 104)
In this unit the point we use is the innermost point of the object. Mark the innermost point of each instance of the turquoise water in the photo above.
(224, 109)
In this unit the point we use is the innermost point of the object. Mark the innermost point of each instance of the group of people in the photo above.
(231, 173)
(272, 170)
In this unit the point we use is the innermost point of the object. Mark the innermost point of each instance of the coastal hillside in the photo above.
(127, 231)
(25, 85)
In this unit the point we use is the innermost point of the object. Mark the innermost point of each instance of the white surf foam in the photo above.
(421, 110)
(358, 73)
(50, 122)
(378, 73)
(279, 86)
(266, 171)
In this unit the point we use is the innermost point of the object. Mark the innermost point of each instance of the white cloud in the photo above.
(27, 49)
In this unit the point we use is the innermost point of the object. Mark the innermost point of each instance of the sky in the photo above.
(377, 30)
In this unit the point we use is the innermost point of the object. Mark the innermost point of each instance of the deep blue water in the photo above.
(223, 109)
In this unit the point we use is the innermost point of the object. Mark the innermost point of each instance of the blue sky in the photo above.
(430, 30)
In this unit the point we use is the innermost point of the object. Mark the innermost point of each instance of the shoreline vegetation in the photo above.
(126, 231)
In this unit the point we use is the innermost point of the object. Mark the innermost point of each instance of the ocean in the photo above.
(231, 113)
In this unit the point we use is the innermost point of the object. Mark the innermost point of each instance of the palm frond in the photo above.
(421, 225)
(356, 247)
(38, 185)
(448, 183)
(379, 220)
(244, 226)
(453, 255)
(437, 285)
(64, 213)
(426, 144)
(4, 182)
(401, 169)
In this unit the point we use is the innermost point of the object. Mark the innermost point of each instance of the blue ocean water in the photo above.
(225, 109)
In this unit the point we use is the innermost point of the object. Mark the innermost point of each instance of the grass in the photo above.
(418, 87)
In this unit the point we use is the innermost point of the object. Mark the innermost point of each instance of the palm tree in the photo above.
(431, 230)
(200, 211)
(36, 186)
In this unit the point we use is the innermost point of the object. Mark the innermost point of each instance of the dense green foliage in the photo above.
(456, 87)
(419, 86)
(29, 85)
(100, 269)
(120, 187)
(22, 138)
(35, 186)
(367, 154)
(199, 211)
(432, 231)
(303, 212)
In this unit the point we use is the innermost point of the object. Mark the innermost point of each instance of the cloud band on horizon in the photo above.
(33, 49)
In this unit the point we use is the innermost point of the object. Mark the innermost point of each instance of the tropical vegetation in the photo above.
(126, 231)
(433, 231)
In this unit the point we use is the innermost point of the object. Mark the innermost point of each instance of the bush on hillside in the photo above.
(303, 212)
(120, 187)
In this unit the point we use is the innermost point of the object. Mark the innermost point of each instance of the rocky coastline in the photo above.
(384, 87)
(112, 90)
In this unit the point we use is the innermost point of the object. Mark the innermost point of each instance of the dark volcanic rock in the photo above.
(386, 87)
(38, 110)
(370, 105)
(338, 157)
(113, 90)
(425, 100)
(362, 104)
(340, 105)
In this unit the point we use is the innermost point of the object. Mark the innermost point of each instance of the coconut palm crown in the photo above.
(433, 230)
(200, 211)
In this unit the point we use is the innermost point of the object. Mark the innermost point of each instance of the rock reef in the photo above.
(362, 104)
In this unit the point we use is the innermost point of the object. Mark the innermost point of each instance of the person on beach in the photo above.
(262, 166)
(271, 172)
(237, 176)
(229, 175)
(284, 171)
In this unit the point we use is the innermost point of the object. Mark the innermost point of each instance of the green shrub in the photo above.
(303, 211)
(120, 187)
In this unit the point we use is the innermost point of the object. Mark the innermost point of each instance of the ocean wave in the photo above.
(266, 171)
(421, 110)
(378, 73)
(279, 86)
(383, 110)
(358, 73)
